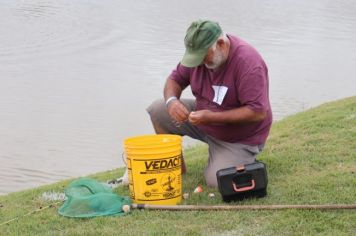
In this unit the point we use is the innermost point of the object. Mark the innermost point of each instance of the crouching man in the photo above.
(231, 111)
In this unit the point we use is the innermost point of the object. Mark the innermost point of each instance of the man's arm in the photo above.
(171, 89)
(238, 115)
(176, 109)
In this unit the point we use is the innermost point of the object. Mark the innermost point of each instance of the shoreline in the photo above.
(307, 164)
(190, 144)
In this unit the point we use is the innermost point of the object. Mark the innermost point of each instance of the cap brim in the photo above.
(193, 59)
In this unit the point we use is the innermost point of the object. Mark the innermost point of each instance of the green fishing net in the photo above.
(88, 198)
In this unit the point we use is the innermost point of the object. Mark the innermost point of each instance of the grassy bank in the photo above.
(311, 159)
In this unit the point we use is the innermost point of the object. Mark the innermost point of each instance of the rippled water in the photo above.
(76, 76)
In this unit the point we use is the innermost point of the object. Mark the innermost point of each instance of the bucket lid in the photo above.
(153, 140)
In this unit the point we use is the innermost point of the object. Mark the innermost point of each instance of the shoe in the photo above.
(124, 180)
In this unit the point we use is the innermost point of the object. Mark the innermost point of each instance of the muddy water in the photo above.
(76, 76)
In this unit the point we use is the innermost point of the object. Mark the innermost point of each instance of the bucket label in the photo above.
(156, 179)
(162, 164)
(168, 182)
(151, 181)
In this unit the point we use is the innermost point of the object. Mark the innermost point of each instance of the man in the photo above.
(231, 110)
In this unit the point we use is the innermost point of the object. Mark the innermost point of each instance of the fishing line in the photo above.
(31, 212)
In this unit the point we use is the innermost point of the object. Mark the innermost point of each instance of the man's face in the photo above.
(214, 58)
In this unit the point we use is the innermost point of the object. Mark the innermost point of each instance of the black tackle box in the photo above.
(240, 182)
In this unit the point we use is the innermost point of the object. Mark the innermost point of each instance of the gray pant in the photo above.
(221, 154)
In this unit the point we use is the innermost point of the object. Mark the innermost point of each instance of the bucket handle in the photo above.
(123, 156)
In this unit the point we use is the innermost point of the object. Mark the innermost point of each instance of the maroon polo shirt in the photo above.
(241, 81)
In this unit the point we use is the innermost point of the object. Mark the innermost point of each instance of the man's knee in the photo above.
(210, 178)
(155, 110)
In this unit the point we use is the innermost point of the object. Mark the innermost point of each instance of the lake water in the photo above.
(76, 76)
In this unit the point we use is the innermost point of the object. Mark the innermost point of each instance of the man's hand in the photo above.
(200, 117)
(178, 111)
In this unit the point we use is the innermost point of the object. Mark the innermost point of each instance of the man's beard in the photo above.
(217, 61)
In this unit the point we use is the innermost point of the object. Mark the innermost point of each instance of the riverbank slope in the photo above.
(311, 159)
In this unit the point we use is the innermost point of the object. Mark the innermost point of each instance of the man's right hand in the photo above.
(178, 111)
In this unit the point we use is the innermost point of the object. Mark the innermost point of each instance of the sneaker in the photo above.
(124, 180)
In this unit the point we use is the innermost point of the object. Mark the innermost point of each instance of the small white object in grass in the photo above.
(126, 208)
(185, 195)
(211, 195)
(53, 196)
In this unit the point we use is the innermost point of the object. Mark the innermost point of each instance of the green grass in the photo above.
(311, 159)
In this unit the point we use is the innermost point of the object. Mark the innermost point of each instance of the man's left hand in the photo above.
(200, 117)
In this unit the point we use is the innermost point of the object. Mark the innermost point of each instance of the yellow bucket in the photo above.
(154, 166)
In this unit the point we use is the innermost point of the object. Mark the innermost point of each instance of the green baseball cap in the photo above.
(200, 36)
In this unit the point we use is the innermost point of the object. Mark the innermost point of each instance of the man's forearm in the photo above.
(237, 115)
(171, 88)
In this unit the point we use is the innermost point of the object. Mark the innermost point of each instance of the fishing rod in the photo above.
(241, 207)
(127, 208)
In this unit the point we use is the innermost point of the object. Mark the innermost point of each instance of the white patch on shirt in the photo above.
(220, 92)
